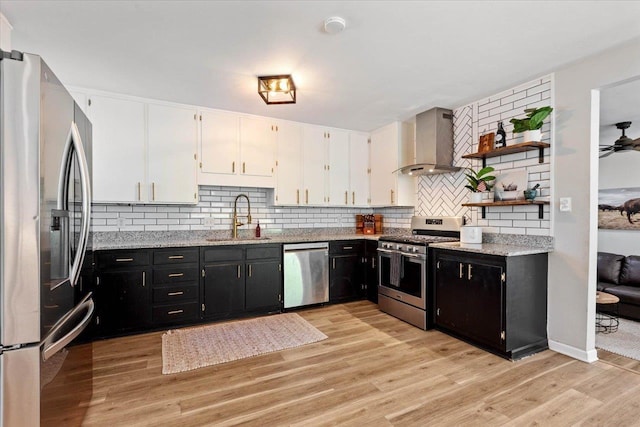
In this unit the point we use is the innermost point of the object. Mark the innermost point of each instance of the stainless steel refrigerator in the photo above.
(45, 212)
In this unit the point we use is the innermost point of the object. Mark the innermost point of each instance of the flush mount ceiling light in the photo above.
(334, 25)
(277, 89)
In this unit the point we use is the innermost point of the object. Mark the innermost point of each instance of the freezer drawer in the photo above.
(306, 274)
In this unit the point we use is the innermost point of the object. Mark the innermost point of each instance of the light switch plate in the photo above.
(565, 204)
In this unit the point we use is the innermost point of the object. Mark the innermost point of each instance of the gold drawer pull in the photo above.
(176, 274)
(124, 259)
(176, 257)
(173, 294)
(347, 247)
(175, 312)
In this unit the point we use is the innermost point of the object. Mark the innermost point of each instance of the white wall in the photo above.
(5, 33)
(572, 265)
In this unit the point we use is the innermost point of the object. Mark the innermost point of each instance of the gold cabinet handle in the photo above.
(461, 267)
(233, 167)
(238, 271)
(153, 191)
(176, 257)
(139, 191)
(176, 274)
(469, 273)
(173, 294)
(144, 279)
(334, 263)
(353, 197)
(346, 197)
(175, 312)
(298, 196)
(306, 196)
(243, 168)
(249, 270)
(391, 196)
(124, 259)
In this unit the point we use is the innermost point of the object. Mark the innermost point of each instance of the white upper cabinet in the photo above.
(391, 147)
(338, 167)
(219, 142)
(119, 149)
(257, 146)
(358, 169)
(314, 166)
(288, 164)
(172, 153)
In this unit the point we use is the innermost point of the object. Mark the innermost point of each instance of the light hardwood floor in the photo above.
(373, 370)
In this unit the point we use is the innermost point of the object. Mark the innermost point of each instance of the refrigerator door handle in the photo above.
(52, 343)
(74, 144)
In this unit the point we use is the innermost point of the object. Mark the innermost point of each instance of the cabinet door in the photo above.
(345, 277)
(371, 270)
(263, 285)
(123, 301)
(314, 166)
(119, 159)
(288, 164)
(219, 142)
(358, 169)
(485, 307)
(173, 144)
(223, 289)
(338, 173)
(450, 294)
(257, 146)
(384, 161)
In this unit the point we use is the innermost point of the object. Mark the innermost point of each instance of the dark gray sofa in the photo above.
(619, 275)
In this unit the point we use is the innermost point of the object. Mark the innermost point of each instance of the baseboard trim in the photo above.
(589, 356)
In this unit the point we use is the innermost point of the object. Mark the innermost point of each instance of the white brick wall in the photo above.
(443, 194)
(215, 212)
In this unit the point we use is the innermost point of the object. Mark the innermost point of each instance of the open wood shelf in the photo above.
(516, 148)
(484, 205)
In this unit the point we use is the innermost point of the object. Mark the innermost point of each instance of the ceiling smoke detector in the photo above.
(334, 25)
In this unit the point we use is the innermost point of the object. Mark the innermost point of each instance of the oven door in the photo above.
(409, 285)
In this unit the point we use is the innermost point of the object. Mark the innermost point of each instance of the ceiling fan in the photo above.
(623, 143)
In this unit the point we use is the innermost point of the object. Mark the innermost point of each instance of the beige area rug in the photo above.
(188, 349)
(625, 341)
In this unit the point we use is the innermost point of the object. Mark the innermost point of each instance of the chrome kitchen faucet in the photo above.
(237, 223)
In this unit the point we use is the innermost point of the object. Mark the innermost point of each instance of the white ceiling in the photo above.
(393, 60)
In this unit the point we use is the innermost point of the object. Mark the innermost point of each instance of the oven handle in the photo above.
(417, 256)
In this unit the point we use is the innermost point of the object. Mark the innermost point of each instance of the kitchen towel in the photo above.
(395, 273)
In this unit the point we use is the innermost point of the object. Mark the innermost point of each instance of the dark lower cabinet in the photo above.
(497, 302)
(371, 270)
(241, 279)
(346, 270)
(122, 292)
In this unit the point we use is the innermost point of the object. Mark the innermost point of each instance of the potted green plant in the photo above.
(531, 126)
(479, 182)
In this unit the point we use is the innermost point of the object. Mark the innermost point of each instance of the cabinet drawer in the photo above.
(175, 294)
(122, 259)
(175, 313)
(222, 254)
(175, 256)
(263, 251)
(346, 247)
(175, 274)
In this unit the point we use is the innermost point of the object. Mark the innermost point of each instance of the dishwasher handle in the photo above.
(297, 247)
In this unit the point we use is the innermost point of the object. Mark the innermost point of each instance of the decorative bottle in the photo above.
(501, 137)
(258, 229)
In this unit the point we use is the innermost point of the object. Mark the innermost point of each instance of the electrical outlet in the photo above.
(121, 221)
(209, 221)
(565, 204)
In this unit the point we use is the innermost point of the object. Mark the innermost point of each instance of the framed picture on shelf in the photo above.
(486, 142)
(510, 185)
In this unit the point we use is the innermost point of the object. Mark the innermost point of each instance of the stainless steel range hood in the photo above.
(434, 143)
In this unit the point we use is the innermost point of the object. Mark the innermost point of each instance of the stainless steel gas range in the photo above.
(403, 274)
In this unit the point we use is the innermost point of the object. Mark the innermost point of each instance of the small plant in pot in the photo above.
(531, 125)
(479, 182)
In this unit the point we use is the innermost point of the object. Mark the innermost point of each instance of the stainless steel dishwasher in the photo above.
(306, 274)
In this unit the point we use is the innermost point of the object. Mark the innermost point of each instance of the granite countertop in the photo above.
(142, 240)
(492, 248)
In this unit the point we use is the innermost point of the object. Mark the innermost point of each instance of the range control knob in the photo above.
(415, 249)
